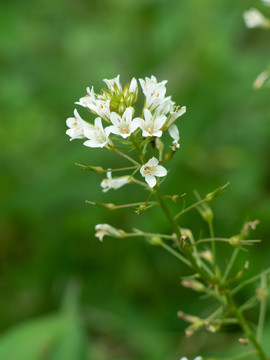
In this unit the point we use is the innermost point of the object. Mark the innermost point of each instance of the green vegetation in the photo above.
(130, 292)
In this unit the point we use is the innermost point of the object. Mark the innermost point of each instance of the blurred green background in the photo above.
(65, 295)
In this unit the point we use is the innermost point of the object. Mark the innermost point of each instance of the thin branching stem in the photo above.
(189, 208)
(250, 280)
(263, 304)
(230, 264)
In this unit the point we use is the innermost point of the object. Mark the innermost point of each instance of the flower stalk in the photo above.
(112, 122)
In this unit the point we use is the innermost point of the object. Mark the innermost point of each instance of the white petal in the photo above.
(151, 180)
(115, 119)
(157, 133)
(143, 85)
(128, 113)
(159, 121)
(94, 144)
(88, 133)
(146, 133)
(108, 130)
(133, 85)
(174, 132)
(113, 130)
(139, 121)
(160, 171)
(71, 122)
(133, 126)
(152, 162)
(148, 116)
(98, 124)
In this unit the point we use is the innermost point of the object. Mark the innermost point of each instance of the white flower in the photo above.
(114, 183)
(261, 79)
(152, 169)
(174, 115)
(151, 125)
(166, 106)
(113, 84)
(174, 133)
(98, 137)
(254, 18)
(77, 126)
(175, 146)
(133, 85)
(101, 108)
(106, 229)
(153, 91)
(266, 2)
(196, 358)
(90, 98)
(123, 126)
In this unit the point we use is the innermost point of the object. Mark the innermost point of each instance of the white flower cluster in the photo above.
(115, 106)
(253, 18)
(196, 358)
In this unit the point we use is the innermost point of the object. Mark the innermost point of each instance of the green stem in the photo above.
(213, 244)
(254, 278)
(135, 204)
(122, 169)
(262, 310)
(166, 211)
(137, 149)
(175, 253)
(231, 262)
(141, 233)
(189, 208)
(244, 355)
(126, 156)
(244, 325)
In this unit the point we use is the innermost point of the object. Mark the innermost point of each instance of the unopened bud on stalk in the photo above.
(206, 213)
(206, 255)
(235, 241)
(109, 206)
(96, 169)
(193, 284)
(140, 209)
(212, 327)
(262, 293)
(250, 225)
(243, 341)
(155, 240)
(159, 144)
(211, 196)
(108, 230)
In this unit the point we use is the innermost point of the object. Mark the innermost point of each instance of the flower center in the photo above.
(149, 170)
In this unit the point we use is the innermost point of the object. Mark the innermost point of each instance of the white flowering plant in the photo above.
(115, 118)
(253, 18)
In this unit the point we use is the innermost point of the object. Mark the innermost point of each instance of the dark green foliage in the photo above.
(50, 51)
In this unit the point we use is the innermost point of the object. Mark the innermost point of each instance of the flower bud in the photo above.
(262, 293)
(96, 169)
(193, 284)
(108, 230)
(155, 240)
(211, 196)
(235, 241)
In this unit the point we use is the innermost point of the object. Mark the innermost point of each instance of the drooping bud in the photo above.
(108, 230)
(193, 284)
(155, 240)
(96, 169)
(235, 241)
(211, 196)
